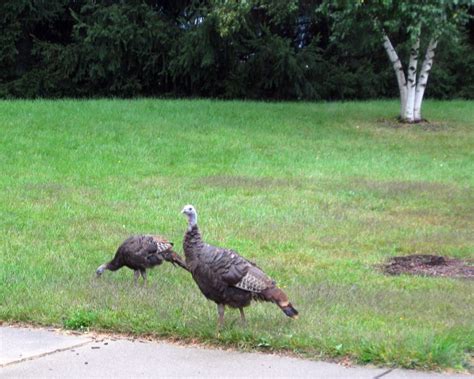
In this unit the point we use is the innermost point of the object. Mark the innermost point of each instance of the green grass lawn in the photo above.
(317, 194)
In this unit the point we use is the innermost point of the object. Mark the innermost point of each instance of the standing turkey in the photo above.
(141, 252)
(225, 277)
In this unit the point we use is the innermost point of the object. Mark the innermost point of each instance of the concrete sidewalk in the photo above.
(26, 352)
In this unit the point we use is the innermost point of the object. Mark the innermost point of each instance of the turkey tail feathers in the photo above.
(175, 259)
(290, 311)
(277, 296)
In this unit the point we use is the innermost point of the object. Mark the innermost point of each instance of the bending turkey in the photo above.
(225, 277)
(141, 252)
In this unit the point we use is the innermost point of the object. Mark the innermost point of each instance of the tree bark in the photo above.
(411, 81)
(398, 68)
(423, 79)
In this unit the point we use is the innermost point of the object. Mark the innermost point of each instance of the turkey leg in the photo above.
(143, 272)
(220, 311)
(242, 316)
(136, 275)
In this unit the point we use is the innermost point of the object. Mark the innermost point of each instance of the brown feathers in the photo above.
(227, 278)
(141, 252)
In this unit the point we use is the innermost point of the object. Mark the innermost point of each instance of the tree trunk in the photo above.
(398, 68)
(409, 115)
(423, 79)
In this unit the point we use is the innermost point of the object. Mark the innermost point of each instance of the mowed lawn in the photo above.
(318, 194)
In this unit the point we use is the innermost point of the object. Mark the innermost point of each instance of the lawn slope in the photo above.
(318, 194)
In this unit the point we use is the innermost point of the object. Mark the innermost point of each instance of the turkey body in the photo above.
(227, 278)
(141, 252)
(211, 269)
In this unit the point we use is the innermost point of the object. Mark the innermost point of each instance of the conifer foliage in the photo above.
(255, 49)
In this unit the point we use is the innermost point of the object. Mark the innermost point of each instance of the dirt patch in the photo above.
(429, 265)
(404, 187)
(425, 125)
(51, 188)
(248, 182)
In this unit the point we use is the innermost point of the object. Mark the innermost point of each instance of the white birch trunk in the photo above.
(411, 81)
(423, 78)
(398, 68)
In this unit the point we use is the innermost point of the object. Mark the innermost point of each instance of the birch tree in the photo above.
(418, 24)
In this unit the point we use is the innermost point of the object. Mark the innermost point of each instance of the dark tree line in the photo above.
(261, 49)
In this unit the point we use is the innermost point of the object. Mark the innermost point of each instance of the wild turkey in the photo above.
(141, 252)
(225, 277)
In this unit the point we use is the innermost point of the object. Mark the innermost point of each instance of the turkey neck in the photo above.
(192, 242)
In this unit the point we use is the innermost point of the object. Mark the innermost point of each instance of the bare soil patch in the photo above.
(403, 187)
(248, 182)
(429, 265)
(429, 126)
